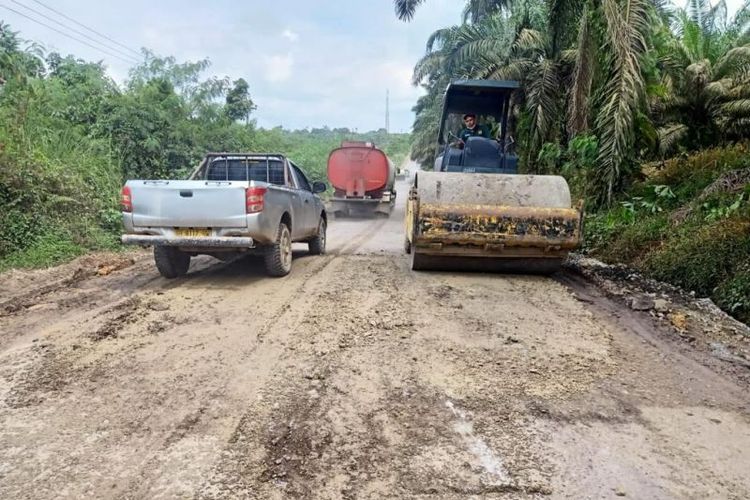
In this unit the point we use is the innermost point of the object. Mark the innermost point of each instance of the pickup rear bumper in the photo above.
(182, 241)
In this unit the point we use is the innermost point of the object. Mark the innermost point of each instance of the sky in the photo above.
(309, 63)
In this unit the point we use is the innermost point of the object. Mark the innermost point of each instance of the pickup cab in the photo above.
(232, 203)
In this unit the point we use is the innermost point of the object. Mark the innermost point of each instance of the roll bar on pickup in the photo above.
(201, 170)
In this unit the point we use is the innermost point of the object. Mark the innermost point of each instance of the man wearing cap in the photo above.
(472, 129)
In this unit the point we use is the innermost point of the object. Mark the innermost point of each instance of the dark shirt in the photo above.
(477, 131)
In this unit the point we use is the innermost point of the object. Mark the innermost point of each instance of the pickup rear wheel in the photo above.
(278, 256)
(171, 262)
(317, 245)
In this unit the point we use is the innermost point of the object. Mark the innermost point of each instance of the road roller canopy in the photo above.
(484, 98)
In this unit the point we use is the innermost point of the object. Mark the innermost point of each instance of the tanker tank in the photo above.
(363, 179)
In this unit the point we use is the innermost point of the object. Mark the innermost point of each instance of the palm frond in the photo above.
(740, 89)
(670, 136)
(431, 64)
(405, 9)
(717, 16)
(476, 10)
(738, 108)
(439, 38)
(487, 40)
(627, 25)
(578, 107)
(518, 69)
(699, 12)
(528, 40)
(740, 23)
(719, 89)
(542, 104)
(665, 9)
(736, 60)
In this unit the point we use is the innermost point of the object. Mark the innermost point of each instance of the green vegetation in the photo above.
(642, 81)
(70, 136)
(695, 235)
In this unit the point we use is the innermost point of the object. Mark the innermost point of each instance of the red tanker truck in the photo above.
(362, 177)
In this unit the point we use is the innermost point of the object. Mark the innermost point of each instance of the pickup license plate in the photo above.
(193, 232)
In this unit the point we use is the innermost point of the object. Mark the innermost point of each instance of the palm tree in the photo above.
(10, 54)
(602, 67)
(474, 10)
(426, 125)
(607, 88)
(706, 78)
(504, 45)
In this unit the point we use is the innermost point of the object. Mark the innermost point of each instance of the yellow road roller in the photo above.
(474, 212)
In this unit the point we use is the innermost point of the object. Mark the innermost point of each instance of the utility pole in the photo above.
(387, 113)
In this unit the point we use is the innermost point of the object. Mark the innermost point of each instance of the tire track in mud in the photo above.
(51, 363)
(368, 232)
(261, 348)
(51, 367)
(295, 441)
(355, 415)
(80, 273)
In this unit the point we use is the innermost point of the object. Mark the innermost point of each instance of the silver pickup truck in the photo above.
(231, 204)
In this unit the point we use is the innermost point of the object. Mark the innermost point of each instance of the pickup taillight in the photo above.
(254, 199)
(126, 200)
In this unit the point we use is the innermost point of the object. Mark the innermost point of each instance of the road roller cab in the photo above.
(474, 212)
(489, 101)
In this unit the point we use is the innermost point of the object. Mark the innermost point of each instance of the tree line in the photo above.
(70, 136)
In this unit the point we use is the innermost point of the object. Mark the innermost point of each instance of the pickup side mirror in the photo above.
(319, 187)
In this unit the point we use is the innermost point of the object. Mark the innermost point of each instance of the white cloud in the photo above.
(306, 62)
(290, 35)
(278, 68)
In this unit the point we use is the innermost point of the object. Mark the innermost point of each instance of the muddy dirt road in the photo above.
(351, 378)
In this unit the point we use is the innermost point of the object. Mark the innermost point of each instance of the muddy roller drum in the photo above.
(491, 222)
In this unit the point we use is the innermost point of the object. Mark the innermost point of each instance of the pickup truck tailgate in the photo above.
(188, 203)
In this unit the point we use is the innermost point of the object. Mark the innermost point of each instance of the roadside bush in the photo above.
(601, 228)
(690, 174)
(702, 258)
(635, 241)
(17, 229)
(50, 247)
(734, 294)
(686, 223)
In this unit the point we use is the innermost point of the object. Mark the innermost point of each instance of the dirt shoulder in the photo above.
(694, 325)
